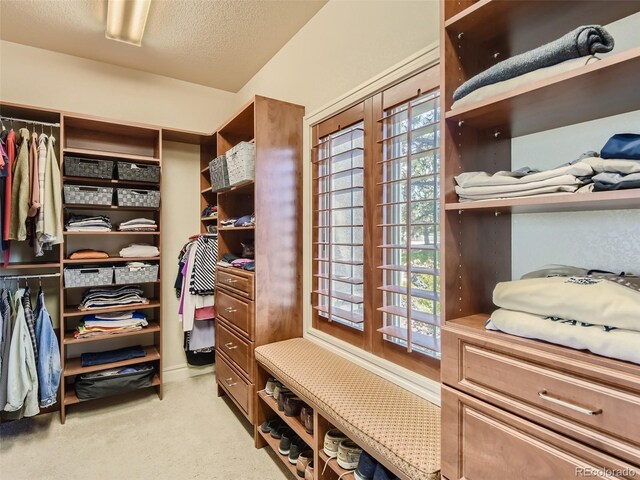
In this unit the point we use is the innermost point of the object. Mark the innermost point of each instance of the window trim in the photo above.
(418, 384)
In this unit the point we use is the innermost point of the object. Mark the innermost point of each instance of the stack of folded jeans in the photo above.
(110, 324)
(618, 167)
(85, 223)
(95, 298)
(573, 307)
(90, 359)
(138, 225)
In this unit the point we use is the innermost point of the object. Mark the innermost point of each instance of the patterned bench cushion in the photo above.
(380, 416)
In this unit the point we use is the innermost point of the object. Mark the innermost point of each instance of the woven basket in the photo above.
(138, 198)
(88, 195)
(241, 163)
(88, 277)
(219, 173)
(128, 274)
(138, 172)
(87, 167)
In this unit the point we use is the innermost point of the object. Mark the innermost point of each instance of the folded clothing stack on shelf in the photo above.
(617, 167)
(244, 221)
(86, 223)
(95, 298)
(114, 381)
(231, 260)
(210, 211)
(90, 359)
(573, 50)
(138, 225)
(574, 307)
(139, 250)
(110, 324)
(88, 254)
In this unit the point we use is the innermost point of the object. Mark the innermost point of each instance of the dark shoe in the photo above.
(306, 417)
(269, 425)
(292, 406)
(366, 467)
(382, 473)
(288, 438)
(295, 450)
(279, 431)
(304, 459)
(282, 397)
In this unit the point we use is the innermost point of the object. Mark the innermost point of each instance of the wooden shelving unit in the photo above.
(477, 236)
(98, 139)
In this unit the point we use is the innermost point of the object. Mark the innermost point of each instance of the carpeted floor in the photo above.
(189, 434)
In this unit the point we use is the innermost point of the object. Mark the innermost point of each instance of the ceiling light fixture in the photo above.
(126, 20)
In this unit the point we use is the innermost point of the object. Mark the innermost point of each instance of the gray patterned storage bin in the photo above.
(88, 276)
(133, 274)
(138, 172)
(219, 173)
(88, 195)
(138, 198)
(241, 163)
(87, 167)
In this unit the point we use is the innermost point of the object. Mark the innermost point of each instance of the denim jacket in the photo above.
(48, 356)
(22, 378)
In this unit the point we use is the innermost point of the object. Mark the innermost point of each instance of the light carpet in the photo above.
(190, 434)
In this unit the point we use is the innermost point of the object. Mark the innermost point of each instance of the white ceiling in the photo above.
(218, 43)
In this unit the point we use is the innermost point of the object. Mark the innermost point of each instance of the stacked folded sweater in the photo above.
(573, 307)
(139, 250)
(110, 324)
(85, 223)
(138, 225)
(94, 298)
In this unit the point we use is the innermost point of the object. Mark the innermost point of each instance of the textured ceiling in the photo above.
(218, 43)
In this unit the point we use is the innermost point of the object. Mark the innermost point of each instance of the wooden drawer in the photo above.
(236, 281)
(537, 385)
(237, 387)
(483, 442)
(235, 347)
(236, 311)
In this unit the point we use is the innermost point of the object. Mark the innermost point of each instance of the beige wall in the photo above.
(346, 43)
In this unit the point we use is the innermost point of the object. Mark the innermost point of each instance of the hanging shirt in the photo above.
(20, 190)
(5, 344)
(38, 241)
(34, 183)
(48, 363)
(10, 145)
(52, 197)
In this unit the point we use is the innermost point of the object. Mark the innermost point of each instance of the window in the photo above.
(410, 222)
(376, 224)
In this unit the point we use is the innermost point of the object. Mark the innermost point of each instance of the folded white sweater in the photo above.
(139, 250)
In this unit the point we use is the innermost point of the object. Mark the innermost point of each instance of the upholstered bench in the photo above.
(389, 422)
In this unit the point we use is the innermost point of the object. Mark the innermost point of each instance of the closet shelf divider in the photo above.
(153, 327)
(74, 366)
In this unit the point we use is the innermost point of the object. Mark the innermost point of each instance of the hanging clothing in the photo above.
(10, 147)
(5, 344)
(203, 278)
(34, 183)
(48, 362)
(20, 190)
(30, 319)
(52, 229)
(38, 241)
(22, 377)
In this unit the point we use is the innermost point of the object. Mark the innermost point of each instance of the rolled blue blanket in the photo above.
(583, 41)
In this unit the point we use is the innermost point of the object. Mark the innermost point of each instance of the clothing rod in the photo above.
(23, 120)
(21, 277)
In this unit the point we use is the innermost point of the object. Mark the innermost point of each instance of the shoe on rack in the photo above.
(277, 388)
(306, 418)
(331, 441)
(308, 472)
(292, 406)
(282, 397)
(269, 425)
(303, 460)
(271, 383)
(366, 467)
(279, 431)
(349, 454)
(288, 438)
(296, 448)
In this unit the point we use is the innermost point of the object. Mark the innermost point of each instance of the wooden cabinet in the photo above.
(514, 407)
(262, 306)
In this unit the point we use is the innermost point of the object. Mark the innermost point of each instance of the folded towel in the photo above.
(583, 41)
(139, 250)
(87, 254)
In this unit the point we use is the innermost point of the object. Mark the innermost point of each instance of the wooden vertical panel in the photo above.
(61, 329)
(278, 208)
(158, 287)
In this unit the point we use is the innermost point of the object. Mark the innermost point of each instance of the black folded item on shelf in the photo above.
(114, 381)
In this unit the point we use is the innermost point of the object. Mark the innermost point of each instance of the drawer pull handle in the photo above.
(230, 346)
(230, 310)
(231, 281)
(228, 382)
(545, 396)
